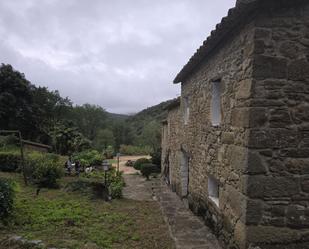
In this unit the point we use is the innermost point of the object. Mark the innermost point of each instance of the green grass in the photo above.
(61, 218)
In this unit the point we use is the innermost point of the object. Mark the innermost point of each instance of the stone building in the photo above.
(235, 145)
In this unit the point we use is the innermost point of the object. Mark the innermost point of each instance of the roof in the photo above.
(36, 144)
(241, 14)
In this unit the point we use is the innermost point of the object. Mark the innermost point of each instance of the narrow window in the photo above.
(213, 190)
(186, 109)
(216, 103)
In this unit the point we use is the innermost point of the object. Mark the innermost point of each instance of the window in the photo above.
(213, 190)
(216, 103)
(186, 109)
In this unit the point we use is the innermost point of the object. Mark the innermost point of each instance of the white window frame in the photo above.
(216, 108)
(186, 107)
(213, 190)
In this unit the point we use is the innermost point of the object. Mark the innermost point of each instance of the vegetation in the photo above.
(74, 220)
(88, 158)
(134, 150)
(7, 194)
(138, 163)
(9, 160)
(44, 169)
(148, 168)
(47, 117)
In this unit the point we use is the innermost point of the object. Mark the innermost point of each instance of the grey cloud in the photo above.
(120, 54)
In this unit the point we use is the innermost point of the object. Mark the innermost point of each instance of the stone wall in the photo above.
(278, 164)
(259, 153)
(221, 151)
(171, 147)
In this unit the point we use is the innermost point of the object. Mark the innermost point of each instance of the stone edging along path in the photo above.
(187, 230)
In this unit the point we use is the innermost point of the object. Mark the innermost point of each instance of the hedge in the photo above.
(148, 169)
(7, 194)
(138, 163)
(9, 161)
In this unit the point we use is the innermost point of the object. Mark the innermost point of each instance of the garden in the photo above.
(54, 209)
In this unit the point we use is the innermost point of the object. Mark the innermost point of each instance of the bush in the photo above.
(109, 152)
(115, 181)
(7, 194)
(116, 184)
(156, 156)
(137, 165)
(148, 169)
(89, 158)
(9, 161)
(44, 169)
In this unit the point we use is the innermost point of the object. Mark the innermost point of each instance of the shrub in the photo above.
(108, 152)
(148, 169)
(44, 169)
(7, 194)
(9, 161)
(116, 184)
(156, 156)
(89, 158)
(137, 165)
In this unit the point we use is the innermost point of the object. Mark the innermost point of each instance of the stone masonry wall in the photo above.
(277, 180)
(171, 147)
(221, 151)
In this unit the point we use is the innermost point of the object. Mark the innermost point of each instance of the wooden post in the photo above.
(118, 155)
(22, 158)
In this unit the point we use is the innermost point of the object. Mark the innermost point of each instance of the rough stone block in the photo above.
(227, 137)
(255, 164)
(305, 185)
(255, 210)
(244, 90)
(296, 217)
(237, 157)
(267, 186)
(273, 138)
(269, 67)
(298, 70)
(271, 235)
(279, 118)
(297, 165)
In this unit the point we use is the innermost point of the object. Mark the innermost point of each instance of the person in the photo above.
(69, 165)
(77, 167)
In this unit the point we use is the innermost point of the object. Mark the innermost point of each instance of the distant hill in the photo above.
(117, 116)
(155, 113)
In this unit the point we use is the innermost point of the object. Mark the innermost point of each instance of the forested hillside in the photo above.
(47, 117)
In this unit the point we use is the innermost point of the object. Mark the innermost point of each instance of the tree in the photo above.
(151, 135)
(89, 119)
(16, 101)
(104, 139)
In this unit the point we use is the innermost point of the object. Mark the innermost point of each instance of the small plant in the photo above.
(7, 194)
(137, 165)
(148, 169)
(9, 161)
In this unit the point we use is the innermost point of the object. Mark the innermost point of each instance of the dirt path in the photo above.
(122, 161)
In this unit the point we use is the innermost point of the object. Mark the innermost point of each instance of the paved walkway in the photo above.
(187, 230)
(137, 188)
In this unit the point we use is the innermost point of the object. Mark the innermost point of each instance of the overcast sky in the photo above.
(120, 54)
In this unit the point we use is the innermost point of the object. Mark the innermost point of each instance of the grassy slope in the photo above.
(72, 220)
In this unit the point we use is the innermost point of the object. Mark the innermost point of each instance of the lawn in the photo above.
(65, 219)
